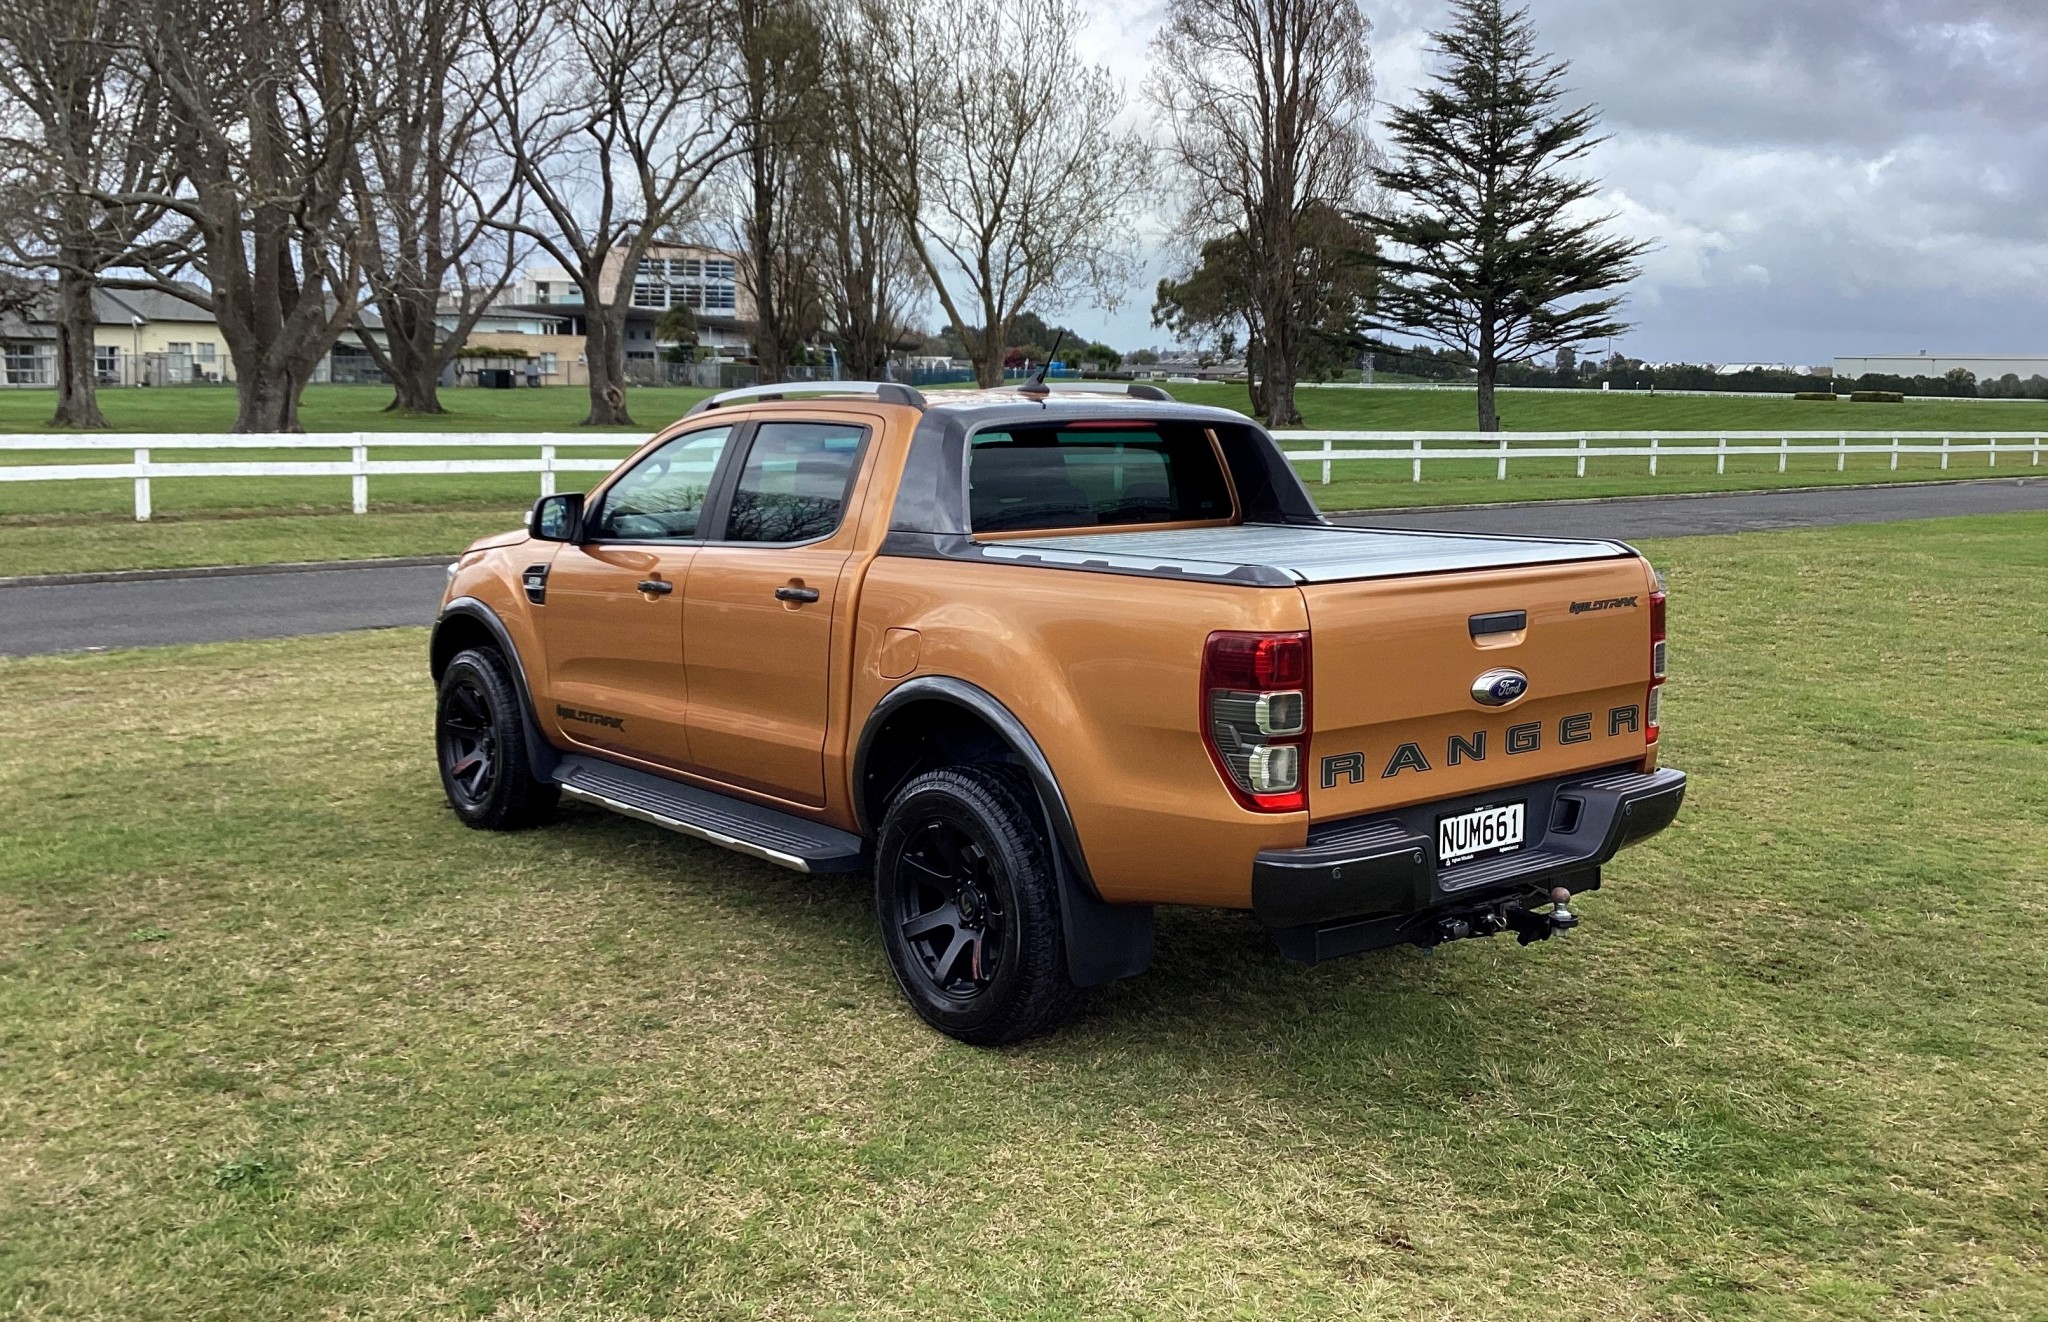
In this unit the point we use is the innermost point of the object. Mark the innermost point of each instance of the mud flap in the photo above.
(1104, 941)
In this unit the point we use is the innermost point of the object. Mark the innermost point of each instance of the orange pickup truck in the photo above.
(1041, 661)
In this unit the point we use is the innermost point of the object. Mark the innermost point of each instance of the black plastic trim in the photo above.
(542, 757)
(1494, 622)
(1104, 941)
(1382, 864)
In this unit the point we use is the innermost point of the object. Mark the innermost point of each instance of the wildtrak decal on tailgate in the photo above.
(1605, 604)
(1526, 737)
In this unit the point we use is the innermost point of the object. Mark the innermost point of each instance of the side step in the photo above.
(745, 828)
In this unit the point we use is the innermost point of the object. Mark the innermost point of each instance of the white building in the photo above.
(1985, 366)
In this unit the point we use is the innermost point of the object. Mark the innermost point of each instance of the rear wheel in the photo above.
(969, 907)
(481, 742)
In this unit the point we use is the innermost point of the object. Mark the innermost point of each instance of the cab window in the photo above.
(1092, 476)
(793, 486)
(662, 497)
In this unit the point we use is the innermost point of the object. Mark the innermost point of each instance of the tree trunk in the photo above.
(410, 336)
(415, 391)
(605, 357)
(267, 400)
(1489, 416)
(1278, 387)
(78, 402)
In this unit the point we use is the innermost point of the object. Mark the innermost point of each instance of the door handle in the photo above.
(796, 594)
(660, 587)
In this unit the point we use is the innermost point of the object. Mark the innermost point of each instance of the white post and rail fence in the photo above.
(148, 458)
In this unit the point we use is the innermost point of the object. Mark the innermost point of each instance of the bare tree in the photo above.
(1001, 152)
(1265, 104)
(79, 123)
(613, 115)
(261, 124)
(869, 278)
(782, 127)
(422, 186)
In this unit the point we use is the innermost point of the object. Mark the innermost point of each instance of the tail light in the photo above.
(1255, 716)
(1656, 662)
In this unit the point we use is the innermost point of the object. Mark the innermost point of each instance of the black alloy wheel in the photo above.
(968, 904)
(469, 746)
(480, 739)
(949, 909)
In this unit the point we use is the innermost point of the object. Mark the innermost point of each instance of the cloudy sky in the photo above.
(1821, 177)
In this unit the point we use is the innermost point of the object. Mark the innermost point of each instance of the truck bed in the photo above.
(1299, 554)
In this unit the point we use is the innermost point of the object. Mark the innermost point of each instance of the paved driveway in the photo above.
(79, 616)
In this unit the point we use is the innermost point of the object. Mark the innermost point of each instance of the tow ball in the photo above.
(1527, 924)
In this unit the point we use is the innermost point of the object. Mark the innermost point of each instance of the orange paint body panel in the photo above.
(1121, 725)
(1395, 662)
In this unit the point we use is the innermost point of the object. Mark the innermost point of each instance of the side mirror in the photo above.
(557, 518)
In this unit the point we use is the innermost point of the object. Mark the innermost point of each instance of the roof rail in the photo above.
(884, 392)
(1135, 389)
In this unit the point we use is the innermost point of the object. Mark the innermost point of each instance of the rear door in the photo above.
(1438, 685)
(611, 609)
(758, 614)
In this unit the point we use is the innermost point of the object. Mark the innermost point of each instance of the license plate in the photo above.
(1464, 836)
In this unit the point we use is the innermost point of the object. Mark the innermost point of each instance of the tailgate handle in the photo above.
(1499, 622)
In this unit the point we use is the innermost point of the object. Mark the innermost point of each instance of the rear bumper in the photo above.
(1373, 881)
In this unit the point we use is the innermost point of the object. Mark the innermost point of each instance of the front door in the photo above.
(611, 612)
(758, 616)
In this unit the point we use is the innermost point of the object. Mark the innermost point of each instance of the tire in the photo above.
(969, 907)
(480, 745)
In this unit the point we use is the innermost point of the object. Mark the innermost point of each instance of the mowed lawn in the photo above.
(278, 1038)
(76, 526)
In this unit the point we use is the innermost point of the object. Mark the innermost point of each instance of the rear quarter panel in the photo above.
(1104, 670)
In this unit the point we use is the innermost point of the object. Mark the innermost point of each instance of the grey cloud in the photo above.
(1821, 176)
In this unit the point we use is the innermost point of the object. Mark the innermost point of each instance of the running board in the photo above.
(746, 828)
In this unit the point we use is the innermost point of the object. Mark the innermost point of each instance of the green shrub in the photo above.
(1815, 394)
(1877, 397)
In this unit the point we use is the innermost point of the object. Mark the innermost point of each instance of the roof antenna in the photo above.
(1034, 385)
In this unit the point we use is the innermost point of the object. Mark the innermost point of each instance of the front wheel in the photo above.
(481, 743)
(969, 907)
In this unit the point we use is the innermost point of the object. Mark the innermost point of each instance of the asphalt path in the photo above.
(72, 617)
(77, 617)
(1634, 517)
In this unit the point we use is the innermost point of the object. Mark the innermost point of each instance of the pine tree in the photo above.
(1486, 246)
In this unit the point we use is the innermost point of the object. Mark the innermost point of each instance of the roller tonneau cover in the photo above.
(1303, 554)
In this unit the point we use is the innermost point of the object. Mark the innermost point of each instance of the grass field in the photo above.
(59, 527)
(279, 1039)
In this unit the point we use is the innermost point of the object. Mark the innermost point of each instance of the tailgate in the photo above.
(1395, 661)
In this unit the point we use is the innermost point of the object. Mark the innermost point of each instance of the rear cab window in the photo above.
(1092, 475)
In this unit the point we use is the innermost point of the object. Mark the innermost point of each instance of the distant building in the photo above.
(1736, 369)
(672, 275)
(1984, 366)
(143, 337)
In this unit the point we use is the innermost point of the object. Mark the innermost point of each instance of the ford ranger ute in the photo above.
(1042, 661)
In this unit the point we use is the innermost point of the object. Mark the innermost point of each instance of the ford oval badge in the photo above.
(1498, 688)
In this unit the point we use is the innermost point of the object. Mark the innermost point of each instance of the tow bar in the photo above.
(1527, 924)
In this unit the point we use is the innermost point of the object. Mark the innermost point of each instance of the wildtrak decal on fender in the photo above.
(590, 717)
(1526, 737)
